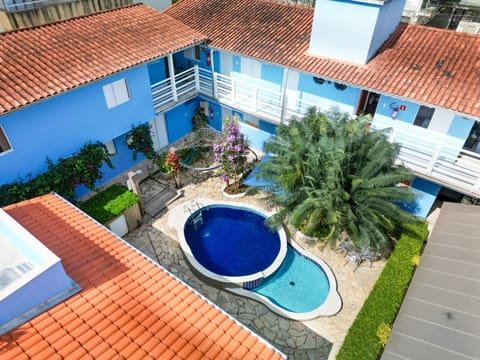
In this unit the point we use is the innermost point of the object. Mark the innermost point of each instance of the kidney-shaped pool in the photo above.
(231, 245)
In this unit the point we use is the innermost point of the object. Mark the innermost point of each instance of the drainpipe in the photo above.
(283, 98)
(171, 70)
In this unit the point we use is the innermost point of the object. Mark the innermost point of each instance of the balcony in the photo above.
(428, 157)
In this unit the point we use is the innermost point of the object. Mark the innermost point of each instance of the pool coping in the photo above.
(331, 306)
(180, 214)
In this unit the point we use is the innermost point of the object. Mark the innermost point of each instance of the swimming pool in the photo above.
(230, 243)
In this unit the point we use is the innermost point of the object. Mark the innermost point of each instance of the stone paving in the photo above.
(319, 338)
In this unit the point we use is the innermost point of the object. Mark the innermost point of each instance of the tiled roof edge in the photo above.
(261, 339)
(69, 19)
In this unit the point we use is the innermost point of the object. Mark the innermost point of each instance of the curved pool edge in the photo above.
(177, 221)
(331, 306)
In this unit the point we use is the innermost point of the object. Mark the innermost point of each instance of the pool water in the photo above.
(299, 285)
(231, 241)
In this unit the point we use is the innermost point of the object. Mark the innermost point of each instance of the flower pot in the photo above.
(233, 196)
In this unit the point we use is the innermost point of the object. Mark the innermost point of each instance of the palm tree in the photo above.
(330, 175)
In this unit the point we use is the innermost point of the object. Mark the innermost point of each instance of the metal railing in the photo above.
(426, 156)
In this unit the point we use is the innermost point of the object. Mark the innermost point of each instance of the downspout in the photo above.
(284, 99)
(171, 70)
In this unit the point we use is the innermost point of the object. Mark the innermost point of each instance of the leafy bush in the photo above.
(381, 307)
(62, 177)
(110, 203)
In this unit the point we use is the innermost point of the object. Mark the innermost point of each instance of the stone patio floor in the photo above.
(319, 338)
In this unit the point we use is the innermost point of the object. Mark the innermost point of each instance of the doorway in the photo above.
(158, 130)
(367, 103)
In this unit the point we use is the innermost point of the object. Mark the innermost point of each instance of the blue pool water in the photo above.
(231, 241)
(299, 285)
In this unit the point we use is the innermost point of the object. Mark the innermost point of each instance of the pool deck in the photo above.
(319, 338)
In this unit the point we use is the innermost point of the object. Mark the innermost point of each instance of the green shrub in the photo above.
(110, 203)
(383, 303)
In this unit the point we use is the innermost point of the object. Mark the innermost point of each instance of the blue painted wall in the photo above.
(181, 61)
(326, 95)
(272, 73)
(216, 61)
(179, 119)
(156, 71)
(236, 66)
(384, 109)
(460, 127)
(60, 126)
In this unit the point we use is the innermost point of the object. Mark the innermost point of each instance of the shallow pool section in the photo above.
(299, 285)
(230, 243)
(303, 288)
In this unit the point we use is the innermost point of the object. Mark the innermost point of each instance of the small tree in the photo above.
(232, 154)
(330, 175)
(172, 165)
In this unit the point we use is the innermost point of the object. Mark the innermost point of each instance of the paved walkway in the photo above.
(319, 338)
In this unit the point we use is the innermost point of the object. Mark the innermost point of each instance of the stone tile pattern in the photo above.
(425, 64)
(314, 339)
(47, 60)
(128, 308)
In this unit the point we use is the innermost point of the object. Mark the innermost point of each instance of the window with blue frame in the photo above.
(4, 143)
(116, 93)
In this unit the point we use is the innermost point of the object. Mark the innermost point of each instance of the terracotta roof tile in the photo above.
(117, 313)
(43, 61)
(260, 28)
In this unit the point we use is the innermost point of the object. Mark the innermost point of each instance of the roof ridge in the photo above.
(71, 19)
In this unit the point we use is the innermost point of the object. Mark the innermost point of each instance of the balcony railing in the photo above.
(440, 162)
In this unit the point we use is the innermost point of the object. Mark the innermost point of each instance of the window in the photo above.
(4, 143)
(110, 145)
(116, 93)
(192, 53)
(424, 116)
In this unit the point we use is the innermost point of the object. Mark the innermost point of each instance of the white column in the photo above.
(283, 99)
(171, 70)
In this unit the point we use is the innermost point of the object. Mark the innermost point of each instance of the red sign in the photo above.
(403, 107)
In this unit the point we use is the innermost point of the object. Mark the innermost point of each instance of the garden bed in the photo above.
(115, 207)
(369, 332)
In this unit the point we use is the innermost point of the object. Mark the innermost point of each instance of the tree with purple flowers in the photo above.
(232, 153)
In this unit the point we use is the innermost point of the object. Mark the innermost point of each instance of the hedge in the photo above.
(109, 203)
(381, 307)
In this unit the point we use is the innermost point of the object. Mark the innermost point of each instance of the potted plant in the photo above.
(232, 153)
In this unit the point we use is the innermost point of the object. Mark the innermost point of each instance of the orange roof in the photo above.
(424, 64)
(47, 60)
(128, 306)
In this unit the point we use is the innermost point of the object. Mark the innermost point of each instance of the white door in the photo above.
(158, 130)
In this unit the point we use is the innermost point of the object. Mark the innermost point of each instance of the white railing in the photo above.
(249, 97)
(445, 163)
(166, 93)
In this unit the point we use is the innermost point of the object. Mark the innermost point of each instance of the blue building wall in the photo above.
(460, 127)
(236, 66)
(61, 125)
(181, 61)
(157, 71)
(387, 103)
(326, 95)
(179, 119)
(272, 73)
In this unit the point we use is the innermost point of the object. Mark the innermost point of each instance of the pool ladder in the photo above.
(197, 220)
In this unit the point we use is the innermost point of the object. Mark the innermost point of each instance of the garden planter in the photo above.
(129, 220)
(233, 196)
